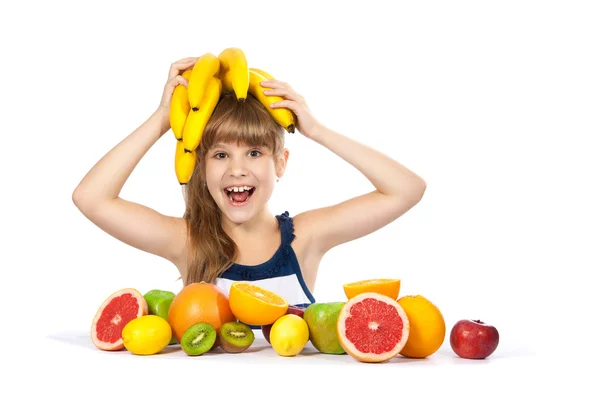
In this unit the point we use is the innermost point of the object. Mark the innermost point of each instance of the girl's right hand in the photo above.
(173, 81)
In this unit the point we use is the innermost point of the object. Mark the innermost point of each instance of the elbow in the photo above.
(80, 200)
(420, 190)
(87, 202)
(77, 198)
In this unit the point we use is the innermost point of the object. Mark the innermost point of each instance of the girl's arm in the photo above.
(97, 195)
(398, 189)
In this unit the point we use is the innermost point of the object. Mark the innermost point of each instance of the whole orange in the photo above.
(199, 302)
(427, 326)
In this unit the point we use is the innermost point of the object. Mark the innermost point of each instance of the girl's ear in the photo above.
(282, 162)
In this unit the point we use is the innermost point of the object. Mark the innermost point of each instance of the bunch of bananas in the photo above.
(191, 107)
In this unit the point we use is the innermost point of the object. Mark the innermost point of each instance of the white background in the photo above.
(495, 104)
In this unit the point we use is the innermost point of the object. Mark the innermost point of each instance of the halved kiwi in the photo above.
(235, 337)
(198, 338)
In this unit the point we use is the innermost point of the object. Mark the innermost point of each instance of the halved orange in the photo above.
(386, 286)
(255, 305)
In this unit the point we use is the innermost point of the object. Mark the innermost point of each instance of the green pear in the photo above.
(322, 326)
(159, 302)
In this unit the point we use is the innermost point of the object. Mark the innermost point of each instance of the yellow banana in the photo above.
(196, 121)
(184, 163)
(263, 73)
(233, 60)
(206, 67)
(180, 107)
(227, 80)
(283, 116)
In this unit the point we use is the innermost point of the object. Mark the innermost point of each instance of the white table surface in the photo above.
(68, 366)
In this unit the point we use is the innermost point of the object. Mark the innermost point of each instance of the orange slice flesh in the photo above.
(255, 305)
(261, 293)
(385, 286)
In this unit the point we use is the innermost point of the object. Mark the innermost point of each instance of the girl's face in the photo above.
(230, 165)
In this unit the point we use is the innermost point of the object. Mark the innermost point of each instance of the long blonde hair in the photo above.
(211, 250)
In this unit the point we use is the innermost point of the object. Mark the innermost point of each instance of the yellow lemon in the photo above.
(146, 335)
(427, 326)
(289, 335)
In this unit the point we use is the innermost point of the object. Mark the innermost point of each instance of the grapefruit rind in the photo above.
(349, 347)
(142, 310)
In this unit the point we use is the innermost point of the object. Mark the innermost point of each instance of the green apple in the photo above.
(322, 326)
(159, 302)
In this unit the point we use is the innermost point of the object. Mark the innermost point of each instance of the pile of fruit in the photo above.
(192, 106)
(373, 325)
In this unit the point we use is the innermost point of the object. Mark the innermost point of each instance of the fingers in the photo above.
(175, 81)
(181, 65)
(289, 104)
(279, 87)
(172, 83)
(170, 88)
(275, 84)
(286, 93)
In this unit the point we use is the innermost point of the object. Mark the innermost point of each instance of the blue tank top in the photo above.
(280, 274)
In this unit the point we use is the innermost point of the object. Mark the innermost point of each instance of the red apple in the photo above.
(473, 339)
(296, 310)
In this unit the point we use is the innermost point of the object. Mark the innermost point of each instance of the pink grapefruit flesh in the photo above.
(372, 327)
(115, 312)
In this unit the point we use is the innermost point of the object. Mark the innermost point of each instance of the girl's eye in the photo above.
(223, 155)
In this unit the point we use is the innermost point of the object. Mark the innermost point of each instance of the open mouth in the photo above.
(239, 195)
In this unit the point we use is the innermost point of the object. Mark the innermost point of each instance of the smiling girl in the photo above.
(227, 232)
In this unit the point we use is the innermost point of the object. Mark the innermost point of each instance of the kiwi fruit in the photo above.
(217, 343)
(235, 337)
(198, 338)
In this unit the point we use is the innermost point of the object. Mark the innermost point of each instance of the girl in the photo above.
(227, 232)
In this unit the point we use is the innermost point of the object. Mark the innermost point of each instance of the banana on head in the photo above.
(197, 119)
(226, 80)
(184, 163)
(180, 107)
(206, 67)
(283, 116)
(192, 107)
(262, 73)
(234, 72)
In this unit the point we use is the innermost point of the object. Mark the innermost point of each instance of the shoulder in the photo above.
(304, 227)
(311, 221)
(302, 221)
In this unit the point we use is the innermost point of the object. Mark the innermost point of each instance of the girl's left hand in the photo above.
(305, 121)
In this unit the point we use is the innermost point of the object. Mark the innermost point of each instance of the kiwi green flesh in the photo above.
(198, 338)
(235, 337)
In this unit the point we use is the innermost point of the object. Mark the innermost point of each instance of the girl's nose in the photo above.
(237, 167)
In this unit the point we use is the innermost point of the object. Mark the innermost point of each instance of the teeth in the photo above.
(238, 189)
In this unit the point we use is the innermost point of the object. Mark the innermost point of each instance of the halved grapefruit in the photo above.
(115, 312)
(372, 327)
